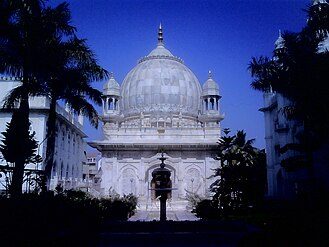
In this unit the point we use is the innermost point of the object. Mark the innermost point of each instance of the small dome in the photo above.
(111, 87)
(210, 87)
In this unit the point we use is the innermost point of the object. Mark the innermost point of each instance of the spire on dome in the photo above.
(111, 75)
(209, 74)
(160, 38)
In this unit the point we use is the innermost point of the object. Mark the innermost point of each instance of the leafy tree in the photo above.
(19, 145)
(26, 27)
(238, 174)
(299, 71)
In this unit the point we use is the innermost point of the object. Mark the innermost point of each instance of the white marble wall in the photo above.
(131, 172)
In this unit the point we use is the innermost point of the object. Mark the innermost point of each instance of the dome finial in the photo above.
(111, 75)
(209, 74)
(160, 38)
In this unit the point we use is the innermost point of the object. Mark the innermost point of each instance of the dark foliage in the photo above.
(19, 143)
(207, 210)
(241, 178)
(18, 148)
(52, 220)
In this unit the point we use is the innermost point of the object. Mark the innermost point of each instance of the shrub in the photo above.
(207, 210)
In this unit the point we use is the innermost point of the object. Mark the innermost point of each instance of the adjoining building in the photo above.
(69, 146)
(280, 135)
(91, 174)
(159, 107)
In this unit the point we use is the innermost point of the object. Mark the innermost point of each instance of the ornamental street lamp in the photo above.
(161, 177)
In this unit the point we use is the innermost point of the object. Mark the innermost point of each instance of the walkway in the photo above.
(196, 233)
(181, 215)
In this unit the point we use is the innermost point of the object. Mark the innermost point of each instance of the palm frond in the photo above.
(58, 20)
(83, 107)
(11, 100)
(261, 69)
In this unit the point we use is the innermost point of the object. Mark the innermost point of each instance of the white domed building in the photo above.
(159, 107)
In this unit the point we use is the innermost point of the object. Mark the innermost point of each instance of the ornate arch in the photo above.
(193, 179)
(128, 180)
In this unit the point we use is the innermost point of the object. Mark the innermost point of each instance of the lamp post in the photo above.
(192, 180)
(161, 177)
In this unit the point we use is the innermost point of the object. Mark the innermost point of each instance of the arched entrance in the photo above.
(152, 194)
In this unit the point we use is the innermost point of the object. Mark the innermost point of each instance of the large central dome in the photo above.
(160, 83)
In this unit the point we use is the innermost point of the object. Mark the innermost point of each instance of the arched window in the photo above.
(212, 104)
(63, 138)
(62, 170)
(73, 143)
(67, 170)
(54, 171)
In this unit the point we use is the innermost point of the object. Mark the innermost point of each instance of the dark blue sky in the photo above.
(218, 35)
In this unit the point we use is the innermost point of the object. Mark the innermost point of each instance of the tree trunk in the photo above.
(23, 130)
(51, 138)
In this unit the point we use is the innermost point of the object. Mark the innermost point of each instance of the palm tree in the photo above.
(70, 80)
(67, 72)
(26, 27)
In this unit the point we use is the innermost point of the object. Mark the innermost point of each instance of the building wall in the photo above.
(69, 147)
(280, 132)
(69, 157)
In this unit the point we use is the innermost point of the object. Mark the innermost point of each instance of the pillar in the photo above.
(107, 104)
(103, 105)
(113, 100)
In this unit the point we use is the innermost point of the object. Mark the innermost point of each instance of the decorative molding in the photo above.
(177, 59)
(10, 78)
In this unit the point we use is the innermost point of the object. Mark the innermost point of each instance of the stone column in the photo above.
(107, 104)
(103, 105)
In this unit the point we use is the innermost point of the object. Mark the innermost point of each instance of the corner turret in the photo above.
(111, 96)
